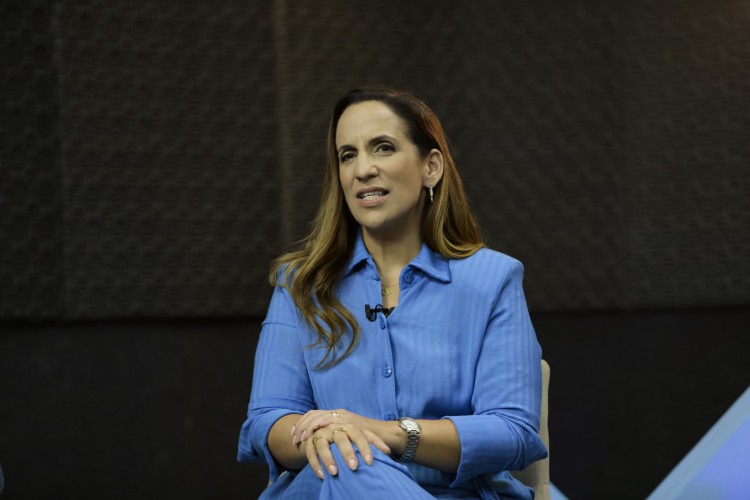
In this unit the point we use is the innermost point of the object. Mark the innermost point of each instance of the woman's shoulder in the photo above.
(486, 266)
(486, 257)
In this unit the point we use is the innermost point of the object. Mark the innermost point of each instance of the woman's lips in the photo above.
(371, 197)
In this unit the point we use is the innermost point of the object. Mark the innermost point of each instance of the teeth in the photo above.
(372, 194)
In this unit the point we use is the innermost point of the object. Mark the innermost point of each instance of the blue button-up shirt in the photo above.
(459, 345)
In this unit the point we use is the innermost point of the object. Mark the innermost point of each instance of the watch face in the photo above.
(409, 425)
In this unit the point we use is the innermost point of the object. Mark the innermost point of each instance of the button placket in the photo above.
(386, 383)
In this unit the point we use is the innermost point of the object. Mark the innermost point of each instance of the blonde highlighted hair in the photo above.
(312, 274)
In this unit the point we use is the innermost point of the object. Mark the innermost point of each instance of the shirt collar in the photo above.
(431, 263)
(359, 254)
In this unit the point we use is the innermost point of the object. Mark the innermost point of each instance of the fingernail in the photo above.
(319, 472)
(333, 469)
(368, 459)
(352, 464)
(303, 436)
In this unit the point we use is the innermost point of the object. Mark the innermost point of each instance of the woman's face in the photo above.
(381, 171)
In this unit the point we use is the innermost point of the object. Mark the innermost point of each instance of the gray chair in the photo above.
(536, 475)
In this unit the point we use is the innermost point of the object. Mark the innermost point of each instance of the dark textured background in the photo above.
(155, 156)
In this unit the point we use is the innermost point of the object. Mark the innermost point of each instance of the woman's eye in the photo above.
(348, 155)
(384, 147)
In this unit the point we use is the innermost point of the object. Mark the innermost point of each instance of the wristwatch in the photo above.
(412, 438)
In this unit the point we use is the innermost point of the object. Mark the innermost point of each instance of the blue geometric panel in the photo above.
(717, 467)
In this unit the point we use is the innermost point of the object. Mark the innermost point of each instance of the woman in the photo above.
(397, 357)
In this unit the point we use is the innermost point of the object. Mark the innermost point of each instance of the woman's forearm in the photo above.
(439, 446)
(280, 443)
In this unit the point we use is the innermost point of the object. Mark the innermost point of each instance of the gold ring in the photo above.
(315, 440)
(335, 414)
(339, 429)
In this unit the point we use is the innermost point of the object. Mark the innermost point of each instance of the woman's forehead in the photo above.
(368, 119)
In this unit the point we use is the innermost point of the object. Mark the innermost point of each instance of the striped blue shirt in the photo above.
(459, 345)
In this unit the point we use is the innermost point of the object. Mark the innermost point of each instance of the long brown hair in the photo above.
(312, 274)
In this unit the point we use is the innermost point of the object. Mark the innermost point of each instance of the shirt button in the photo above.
(408, 277)
(387, 371)
(382, 323)
(390, 416)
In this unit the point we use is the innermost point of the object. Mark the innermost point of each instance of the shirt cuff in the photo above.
(490, 444)
(253, 445)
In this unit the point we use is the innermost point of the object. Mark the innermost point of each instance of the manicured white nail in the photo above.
(352, 464)
(333, 469)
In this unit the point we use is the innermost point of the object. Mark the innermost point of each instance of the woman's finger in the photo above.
(308, 417)
(324, 456)
(312, 455)
(377, 442)
(344, 440)
(309, 423)
(299, 425)
(363, 445)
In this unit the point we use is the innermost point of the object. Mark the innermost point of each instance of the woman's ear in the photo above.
(433, 171)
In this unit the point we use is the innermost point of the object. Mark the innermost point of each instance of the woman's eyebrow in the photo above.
(381, 138)
(344, 147)
(371, 142)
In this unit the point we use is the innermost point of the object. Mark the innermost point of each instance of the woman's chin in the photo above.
(374, 228)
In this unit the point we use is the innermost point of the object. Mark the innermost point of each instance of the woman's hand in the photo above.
(318, 429)
(311, 422)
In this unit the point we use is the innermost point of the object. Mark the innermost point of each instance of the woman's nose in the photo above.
(366, 168)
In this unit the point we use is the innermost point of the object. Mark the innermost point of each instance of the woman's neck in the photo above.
(391, 255)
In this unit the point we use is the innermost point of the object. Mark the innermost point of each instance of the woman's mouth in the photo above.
(371, 194)
(371, 197)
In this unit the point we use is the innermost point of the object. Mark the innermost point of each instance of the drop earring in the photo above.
(432, 198)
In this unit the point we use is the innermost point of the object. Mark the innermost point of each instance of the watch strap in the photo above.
(412, 439)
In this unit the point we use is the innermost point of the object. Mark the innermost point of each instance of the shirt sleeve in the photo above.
(503, 432)
(280, 382)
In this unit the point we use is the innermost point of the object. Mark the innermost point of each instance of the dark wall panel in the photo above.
(683, 117)
(168, 159)
(148, 409)
(155, 158)
(126, 410)
(30, 202)
(535, 142)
